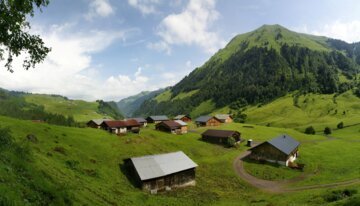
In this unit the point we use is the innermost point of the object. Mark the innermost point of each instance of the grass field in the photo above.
(82, 111)
(87, 163)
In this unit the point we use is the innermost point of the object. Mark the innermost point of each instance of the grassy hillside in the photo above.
(314, 110)
(259, 67)
(81, 110)
(86, 164)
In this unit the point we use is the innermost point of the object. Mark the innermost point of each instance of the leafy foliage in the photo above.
(14, 36)
(310, 130)
(327, 130)
(340, 125)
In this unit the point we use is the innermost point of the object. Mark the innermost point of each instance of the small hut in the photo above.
(224, 118)
(157, 119)
(184, 118)
(163, 171)
(141, 120)
(171, 127)
(115, 126)
(205, 121)
(220, 136)
(96, 123)
(282, 150)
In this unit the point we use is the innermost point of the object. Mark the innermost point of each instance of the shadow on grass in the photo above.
(130, 173)
(223, 144)
(261, 162)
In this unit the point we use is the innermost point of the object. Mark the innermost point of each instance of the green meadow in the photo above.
(83, 166)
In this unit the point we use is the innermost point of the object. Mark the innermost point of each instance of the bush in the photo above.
(6, 139)
(231, 142)
(339, 195)
(327, 130)
(340, 125)
(310, 130)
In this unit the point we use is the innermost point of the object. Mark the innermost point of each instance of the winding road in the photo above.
(281, 186)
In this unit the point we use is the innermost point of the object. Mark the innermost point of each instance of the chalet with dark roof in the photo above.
(220, 136)
(141, 120)
(115, 126)
(184, 118)
(96, 123)
(156, 119)
(205, 121)
(282, 150)
(172, 127)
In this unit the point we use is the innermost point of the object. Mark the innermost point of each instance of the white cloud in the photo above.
(99, 8)
(144, 6)
(191, 27)
(160, 46)
(347, 31)
(68, 69)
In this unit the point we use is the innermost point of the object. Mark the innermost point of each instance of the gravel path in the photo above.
(281, 186)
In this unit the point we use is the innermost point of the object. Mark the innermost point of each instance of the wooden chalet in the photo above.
(172, 127)
(184, 126)
(205, 121)
(224, 118)
(163, 172)
(282, 150)
(96, 123)
(141, 120)
(157, 119)
(115, 126)
(220, 136)
(132, 125)
(184, 118)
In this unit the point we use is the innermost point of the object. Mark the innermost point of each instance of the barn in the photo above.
(156, 119)
(96, 123)
(204, 121)
(184, 118)
(116, 126)
(132, 125)
(220, 136)
(163, 171)
(224, 118)
(184, 126)
(282, 150)
(172, 127)
(141, 120)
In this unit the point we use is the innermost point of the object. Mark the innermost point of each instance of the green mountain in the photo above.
(259, 67)
(54, 108)
(130, 104)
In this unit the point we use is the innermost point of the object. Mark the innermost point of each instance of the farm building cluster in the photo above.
(163, 172)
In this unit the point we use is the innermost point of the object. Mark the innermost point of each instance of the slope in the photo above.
(81, 110)
(87, 165)
(260, 66)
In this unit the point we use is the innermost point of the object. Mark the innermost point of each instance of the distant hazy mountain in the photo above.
(259, 67)
(132, 103)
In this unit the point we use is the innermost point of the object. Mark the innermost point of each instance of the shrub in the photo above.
(231, 142)
(327, 130)
(340, 125)
(339, 195)
(72, 164)
(6, 139)
(310, 130)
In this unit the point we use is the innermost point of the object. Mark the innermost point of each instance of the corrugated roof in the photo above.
(171, 124)
(222, 116)
(99, 121)
(153, 166)
(115, 124)
(203, 118)
(159, 118)
(179, 116)
(182, 123)
(284, 143)
(219, 133)
(140, 119)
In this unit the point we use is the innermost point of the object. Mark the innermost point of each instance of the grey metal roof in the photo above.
(284, 143)
(139, 119)
(179, 116)
(159, 118)
(182, 123)
(203, 118)
(222, 116)
(99, 121)
(153, 166)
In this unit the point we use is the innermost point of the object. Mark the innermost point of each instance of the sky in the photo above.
(112, 49)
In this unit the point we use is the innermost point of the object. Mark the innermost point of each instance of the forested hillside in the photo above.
(260, 66)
